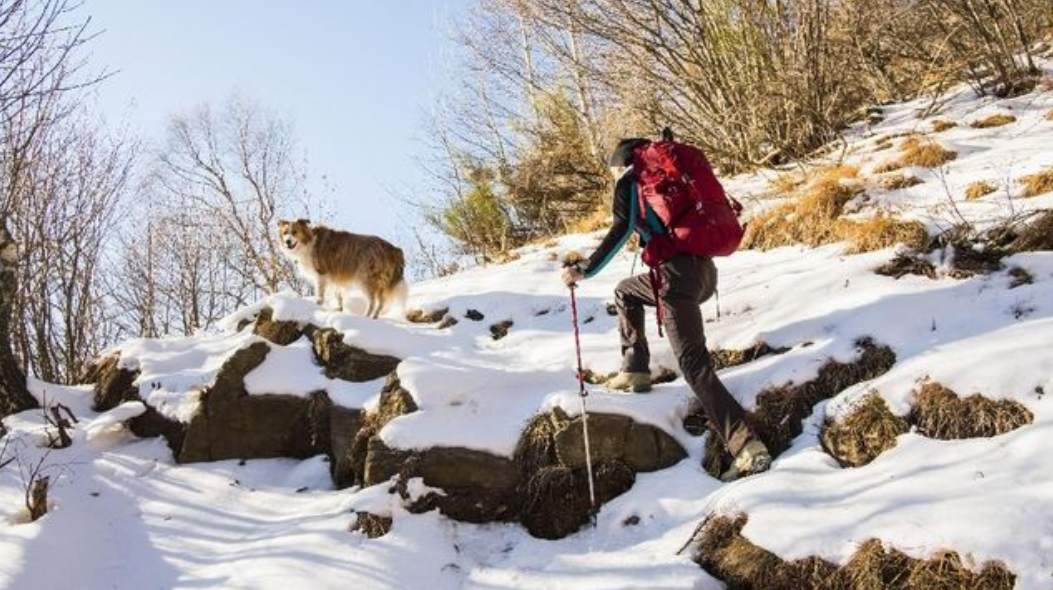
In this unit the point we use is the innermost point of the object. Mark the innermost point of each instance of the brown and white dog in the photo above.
(340, 259)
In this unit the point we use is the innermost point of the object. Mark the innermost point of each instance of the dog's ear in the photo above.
(282, 224)
(303, 222)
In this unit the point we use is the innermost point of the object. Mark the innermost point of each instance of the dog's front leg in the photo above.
(320, 288)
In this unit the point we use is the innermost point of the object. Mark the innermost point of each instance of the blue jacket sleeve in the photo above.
(624, 210)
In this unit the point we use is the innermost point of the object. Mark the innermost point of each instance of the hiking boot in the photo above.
(634, 382)
(752, 459)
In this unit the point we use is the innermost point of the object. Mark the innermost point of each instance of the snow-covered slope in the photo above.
(124, 515)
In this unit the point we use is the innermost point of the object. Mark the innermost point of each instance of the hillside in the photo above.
(464, 433)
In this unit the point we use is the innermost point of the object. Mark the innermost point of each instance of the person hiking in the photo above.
(678, 284)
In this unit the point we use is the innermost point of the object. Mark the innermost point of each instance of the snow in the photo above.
(135, 519)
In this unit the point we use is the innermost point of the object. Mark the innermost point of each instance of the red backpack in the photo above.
(676, 182)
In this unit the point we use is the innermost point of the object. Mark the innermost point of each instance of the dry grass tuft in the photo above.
(917, 151)
(1049, 117)
(996, 120)
(1020, 277)
(979, 189)
(724, 358)
(939, 413)
(1038, 183)
(780, 410)
(537, 445)
(907, 264)
(371, 525)
(787, 182)
(900, 181)
(725, 553)
(881, 232)
(940, 125)
(926, 154)
(556, 498)
(419, 316)
(810, 220)
(868, 430)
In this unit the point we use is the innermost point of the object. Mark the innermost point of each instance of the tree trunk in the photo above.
(14, 397)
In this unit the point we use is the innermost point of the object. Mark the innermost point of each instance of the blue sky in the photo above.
(355, 77)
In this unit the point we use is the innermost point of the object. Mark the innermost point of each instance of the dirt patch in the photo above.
(726, 554)
(370, 524)
(940, 413)
(996, 120)
(780, 410)
(500, 329)
(475, 315)
(420, 316)
(868, 430)
(1038, 183)
(979, 189)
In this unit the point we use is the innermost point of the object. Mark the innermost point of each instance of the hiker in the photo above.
(682, 282)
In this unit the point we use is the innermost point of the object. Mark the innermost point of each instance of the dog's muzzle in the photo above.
(290, 244)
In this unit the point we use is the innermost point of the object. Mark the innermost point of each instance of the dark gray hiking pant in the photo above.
(687, 281)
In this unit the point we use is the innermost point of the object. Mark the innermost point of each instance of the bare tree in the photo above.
(39, 65)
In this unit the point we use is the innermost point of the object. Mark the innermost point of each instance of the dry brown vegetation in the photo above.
(882, 231)
(1049, 117)
(1038, 183)
(907, 264)
(940, 413)
(780, 410)
(814, 219)
(979, 189)
(940, 125)
(868, 430)
(1036, 235)
(918, 151)
(996, 120)
(899, 181)
(725, 553)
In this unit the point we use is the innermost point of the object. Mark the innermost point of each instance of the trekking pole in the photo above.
(582, 394)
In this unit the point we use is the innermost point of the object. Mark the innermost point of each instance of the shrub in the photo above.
(477, 221)
(1038, 183)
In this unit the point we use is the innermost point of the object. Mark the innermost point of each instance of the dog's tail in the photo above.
(399, 295)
